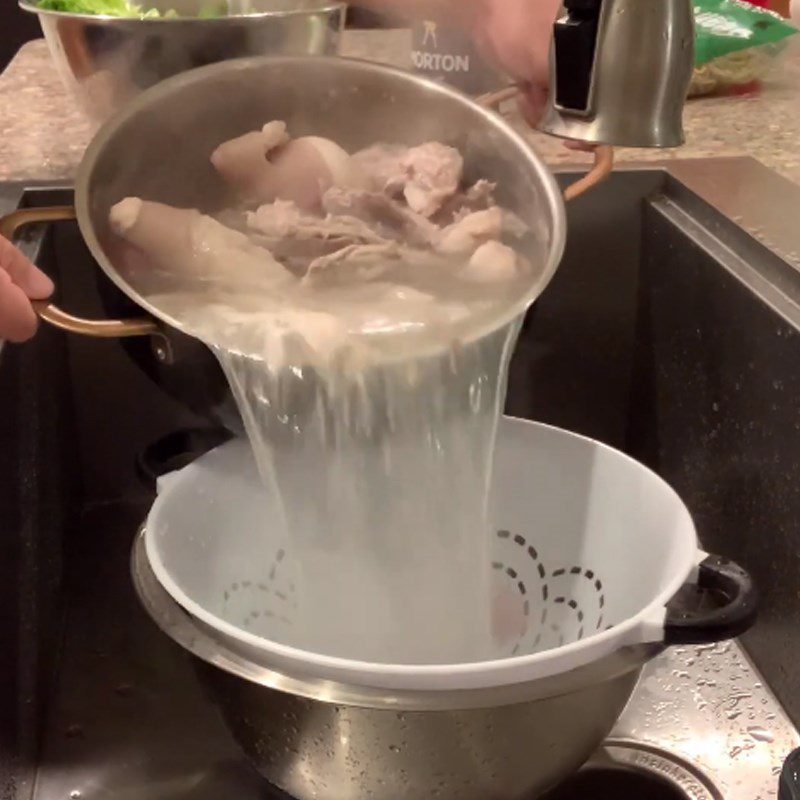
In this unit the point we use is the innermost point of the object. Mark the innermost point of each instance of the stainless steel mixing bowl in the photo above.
(106, 61)
(315, 739)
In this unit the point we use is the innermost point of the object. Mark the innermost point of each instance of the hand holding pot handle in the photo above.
(19, 315)
(21, 281)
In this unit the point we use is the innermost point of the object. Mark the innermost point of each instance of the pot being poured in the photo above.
(159, 148)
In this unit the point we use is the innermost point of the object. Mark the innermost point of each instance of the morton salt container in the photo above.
(448, 55)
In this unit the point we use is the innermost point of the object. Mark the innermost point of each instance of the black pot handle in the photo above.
(722, 605)
(789, 785)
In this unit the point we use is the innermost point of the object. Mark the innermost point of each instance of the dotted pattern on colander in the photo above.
(271, 599)
(560, 606)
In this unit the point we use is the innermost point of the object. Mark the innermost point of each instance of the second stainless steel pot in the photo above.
(105, 61)
(320, 739)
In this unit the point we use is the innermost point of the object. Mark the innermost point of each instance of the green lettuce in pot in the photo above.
(125, 8)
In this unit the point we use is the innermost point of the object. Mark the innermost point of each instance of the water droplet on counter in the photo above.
(706, 682)
(761, 734)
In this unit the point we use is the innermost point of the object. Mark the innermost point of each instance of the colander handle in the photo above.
(722, 605)
(789, 786)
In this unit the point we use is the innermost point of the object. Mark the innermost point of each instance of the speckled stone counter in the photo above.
(42, 134)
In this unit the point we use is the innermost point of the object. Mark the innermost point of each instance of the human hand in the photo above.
(515, 35)
(20, 282)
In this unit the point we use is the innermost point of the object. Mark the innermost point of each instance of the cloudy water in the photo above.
(383, 480)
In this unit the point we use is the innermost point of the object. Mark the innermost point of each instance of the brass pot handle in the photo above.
(603, 153)
(49, 311)
(601, 169)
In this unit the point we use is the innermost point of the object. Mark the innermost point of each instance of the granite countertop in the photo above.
(43, 135)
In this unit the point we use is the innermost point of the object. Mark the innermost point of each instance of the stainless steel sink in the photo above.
(671, 331)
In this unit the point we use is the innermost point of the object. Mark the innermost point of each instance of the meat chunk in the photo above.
(266, 165)
(466, 235)
(480, 194)
(276, 219)
(243, 162)
(383, 164)
(344, 171)
(433, 174)
(273, 135)
(356, 263)
(388, 217)
(492, 262)
(477, 197)
(184, 241)
(284, 219)
(426, 176)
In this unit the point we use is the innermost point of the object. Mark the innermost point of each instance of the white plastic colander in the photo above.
(589, 548)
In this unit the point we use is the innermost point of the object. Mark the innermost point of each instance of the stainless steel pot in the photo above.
(158, 147)
(107, 61)
(315, 738)
(324, 738)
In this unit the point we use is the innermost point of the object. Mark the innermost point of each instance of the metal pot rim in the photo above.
(108, 19)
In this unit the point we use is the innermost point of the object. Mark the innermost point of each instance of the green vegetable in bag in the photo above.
(728, 26)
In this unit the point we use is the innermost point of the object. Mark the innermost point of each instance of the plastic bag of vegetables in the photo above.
(736, 43)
